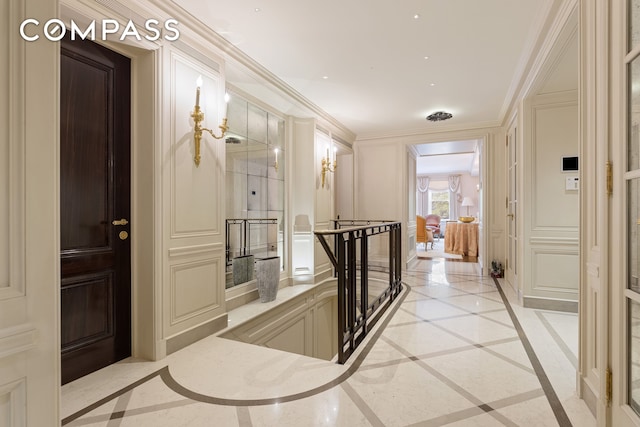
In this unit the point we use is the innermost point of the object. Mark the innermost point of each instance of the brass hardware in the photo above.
(609, 386)
(510, 216)
(327, 166)
(609, 178)
(198, 117)
(123, 235)
(506, 200)
(120, 222)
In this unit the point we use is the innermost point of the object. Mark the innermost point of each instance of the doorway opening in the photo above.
(449, 200)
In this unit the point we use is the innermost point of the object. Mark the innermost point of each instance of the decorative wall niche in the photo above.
(255, 171)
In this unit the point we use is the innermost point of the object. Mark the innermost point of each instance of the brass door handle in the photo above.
(510, 216)
(120, 222)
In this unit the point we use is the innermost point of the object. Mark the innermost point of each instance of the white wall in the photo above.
(468, 188)
(193, 237)
(29, 214)
(383, 191)
(551, 213)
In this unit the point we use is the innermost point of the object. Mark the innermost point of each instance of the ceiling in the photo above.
(379, 67)
(441, 158)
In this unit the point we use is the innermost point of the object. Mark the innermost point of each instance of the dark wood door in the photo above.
(95, 259)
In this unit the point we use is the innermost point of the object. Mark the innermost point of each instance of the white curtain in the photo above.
(422, 204)
(454, 187)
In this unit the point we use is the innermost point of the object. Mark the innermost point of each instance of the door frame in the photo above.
(146, 257)
(598, 230)
(620, 413)
(511, 268)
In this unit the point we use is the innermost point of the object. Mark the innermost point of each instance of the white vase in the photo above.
(268, 277)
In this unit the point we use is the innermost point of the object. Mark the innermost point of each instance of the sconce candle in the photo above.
(198, 84)
(198, 117)
(326, 165)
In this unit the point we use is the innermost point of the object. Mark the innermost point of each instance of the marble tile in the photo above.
(450, 355)
(433, 309)
(331, 408)
(423, 338)
(484, 375)
(476, 329)
(406, 394)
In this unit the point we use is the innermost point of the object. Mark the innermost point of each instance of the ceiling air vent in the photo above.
(232, 140)
(439, 116)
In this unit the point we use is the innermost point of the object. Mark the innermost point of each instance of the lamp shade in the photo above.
(467, 202)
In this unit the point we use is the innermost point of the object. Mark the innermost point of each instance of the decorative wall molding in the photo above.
(17, 339)
(202, 295)
(12, 156)
(195, 250)
(555, 241)
(562, 283)
(13, 397)
(195, 191)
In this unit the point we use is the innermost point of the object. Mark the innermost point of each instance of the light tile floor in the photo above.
(447, 353)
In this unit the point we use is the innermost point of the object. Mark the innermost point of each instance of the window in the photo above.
(439, 203)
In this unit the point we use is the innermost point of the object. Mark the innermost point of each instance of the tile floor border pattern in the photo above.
(552, 397)
(170, 382)
(479, 408)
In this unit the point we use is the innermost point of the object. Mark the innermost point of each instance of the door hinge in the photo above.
(506, 264)
(506, 140)
(609, 385)
(609, 178)
(506, 200)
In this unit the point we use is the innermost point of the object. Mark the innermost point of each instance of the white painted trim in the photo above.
(17, 339)
(195, 249)
(17, 397)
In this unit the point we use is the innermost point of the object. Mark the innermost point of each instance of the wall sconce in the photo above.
(198, 117)
(275, 164)
(326, 164)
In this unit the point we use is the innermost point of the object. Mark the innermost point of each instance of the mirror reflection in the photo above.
(254, 189)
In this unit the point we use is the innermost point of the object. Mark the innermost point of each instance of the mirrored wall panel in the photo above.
(255, 162)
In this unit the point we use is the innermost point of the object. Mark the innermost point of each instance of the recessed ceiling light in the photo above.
(439, 116)
(257, 9)
(325, 77)
(426, 57)
(432, 84)
(416, 16)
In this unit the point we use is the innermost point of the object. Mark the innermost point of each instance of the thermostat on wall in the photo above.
(569, 163)
(572, 183)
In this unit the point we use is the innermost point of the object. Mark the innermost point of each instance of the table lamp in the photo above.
(467, 202)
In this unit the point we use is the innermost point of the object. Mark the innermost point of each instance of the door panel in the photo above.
(94, 192)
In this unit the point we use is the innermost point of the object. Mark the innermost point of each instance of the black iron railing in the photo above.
(358, 311)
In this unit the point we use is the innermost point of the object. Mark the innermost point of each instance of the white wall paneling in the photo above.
(195, 191)
(13, 404)
(324, 200)
(193, 197)
(12, 161)
(305, 324)
(193, 290)
(304, 181)
(17, 339)
(344, 186)
(29, 219)
(551, 220)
